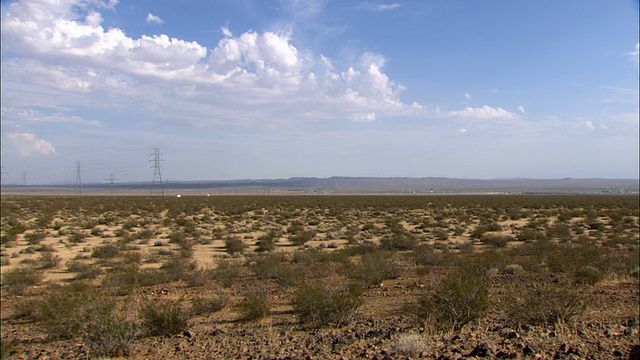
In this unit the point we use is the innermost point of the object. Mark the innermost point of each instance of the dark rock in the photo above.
(217, 332)
(188, 333)
(634, 354)
(529, 349)
(481, 350)
(505, 355)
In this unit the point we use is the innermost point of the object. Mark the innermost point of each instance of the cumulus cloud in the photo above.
(153, 19)
(27, 144)
(521, 109)
(250, 77)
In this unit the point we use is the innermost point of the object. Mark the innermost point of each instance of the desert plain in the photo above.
(320, 277)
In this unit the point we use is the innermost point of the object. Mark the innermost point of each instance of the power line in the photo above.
(157, 173)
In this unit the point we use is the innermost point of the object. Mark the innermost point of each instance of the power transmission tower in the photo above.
(78, 190)
(2, 175)
(112, 179)
(157, 173)
(24, 181)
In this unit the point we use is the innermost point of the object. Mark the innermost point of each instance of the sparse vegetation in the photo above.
(461, 265)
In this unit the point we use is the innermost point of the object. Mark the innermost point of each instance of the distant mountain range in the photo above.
(359, 185)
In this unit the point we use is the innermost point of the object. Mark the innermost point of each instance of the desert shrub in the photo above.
(513, 269)
(226, 273)
(233, 245)
(588, 275)
(209, 302)
(83, 270)
(302, 237)
(528, 234)
(6, 346)
(400, 240)
(441, 234)
(545, 305)
(559, 231)
(496, 240)
(35, 237)
(96, 231)
(106, 251)
(479, 232)
(197, 277)
(48, 260)
(77, 237)
(461, 297)
(323, 305)
(424, 255)
(165, 316)
(178, 267)
(375, 267)
(269, 266)
(410, 344)
(110, 328)
(21, 277)
(61, 310)
(267, 242)
(255, 305)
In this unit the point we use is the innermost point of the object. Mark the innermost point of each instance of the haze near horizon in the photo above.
(280, 89)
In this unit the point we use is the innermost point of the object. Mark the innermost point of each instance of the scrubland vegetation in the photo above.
(320, 276)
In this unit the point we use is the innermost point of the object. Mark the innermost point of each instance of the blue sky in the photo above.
(276, 89)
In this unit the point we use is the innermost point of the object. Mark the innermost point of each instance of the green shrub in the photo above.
(226, 273)
(267, 242)
(165, 316)
(35, 237)
(179, 267)
(588, 275)
(461, 297)
(424, 255)
(209, 302)
(496, 240)
(255, 305)
(401, 240)
(545, 305)
(375, 267)
(234, 245)
(61, 310)
(302, 237)
(21, 277)
(322, 305)
(83, 270)
(48, 260)
(110, 328)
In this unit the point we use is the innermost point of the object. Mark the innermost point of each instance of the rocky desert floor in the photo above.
(320, 277)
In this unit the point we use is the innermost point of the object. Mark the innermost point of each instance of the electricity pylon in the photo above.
(157, 173)
(112, 179)
(78, 190)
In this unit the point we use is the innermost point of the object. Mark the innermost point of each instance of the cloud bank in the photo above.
(245, 79)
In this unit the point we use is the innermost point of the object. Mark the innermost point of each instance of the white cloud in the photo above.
(373, 6)
(521, 109)
(252, 77)
(27, 144)
(484, 112)
(636, 53)
(153, 19)
(589, 124)
(467, 96)
(366, 117)
(18, 116)
(462, 131)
